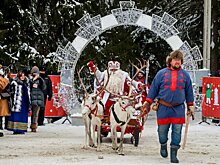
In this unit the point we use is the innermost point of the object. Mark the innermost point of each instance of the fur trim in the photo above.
(17, 98)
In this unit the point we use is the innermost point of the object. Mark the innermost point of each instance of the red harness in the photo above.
(124, 108)
(93, 111)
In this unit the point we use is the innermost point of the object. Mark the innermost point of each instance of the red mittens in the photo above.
(91, 66)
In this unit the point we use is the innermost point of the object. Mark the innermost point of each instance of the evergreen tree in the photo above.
(32, 29)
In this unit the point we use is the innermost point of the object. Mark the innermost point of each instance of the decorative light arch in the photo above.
(127, 14)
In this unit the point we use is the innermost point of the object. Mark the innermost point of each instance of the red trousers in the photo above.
(108, 105)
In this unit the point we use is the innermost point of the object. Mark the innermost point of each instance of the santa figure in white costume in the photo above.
(119, 82)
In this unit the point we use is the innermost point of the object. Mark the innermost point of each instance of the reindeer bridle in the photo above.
(92, 111)
(124, 108)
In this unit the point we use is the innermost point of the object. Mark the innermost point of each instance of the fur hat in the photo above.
(176, 54)
(113, 65)
(35, 69)
(141, 71)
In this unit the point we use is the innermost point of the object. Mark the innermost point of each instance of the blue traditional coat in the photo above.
(18, 121)
(174, 87)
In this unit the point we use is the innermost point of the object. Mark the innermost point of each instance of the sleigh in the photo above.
(134, 127)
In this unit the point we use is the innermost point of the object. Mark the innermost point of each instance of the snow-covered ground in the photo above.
(62, 144)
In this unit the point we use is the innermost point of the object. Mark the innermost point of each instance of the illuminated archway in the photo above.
(127, 14)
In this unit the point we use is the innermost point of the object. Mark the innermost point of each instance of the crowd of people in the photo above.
(24, 94)
(171, 86)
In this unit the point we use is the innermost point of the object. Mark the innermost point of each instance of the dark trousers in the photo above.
(42, 112)
(35, 114)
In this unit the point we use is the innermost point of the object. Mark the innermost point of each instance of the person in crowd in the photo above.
(47, 93)
(37, 87)
(4, 96)
(8, 75)
(20, 104)
(172, 86)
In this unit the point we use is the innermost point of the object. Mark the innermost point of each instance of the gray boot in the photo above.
(163, 150)
(173, 154)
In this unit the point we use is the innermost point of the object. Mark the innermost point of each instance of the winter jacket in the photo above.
(48, 91)
(4, 103)
(37, 87)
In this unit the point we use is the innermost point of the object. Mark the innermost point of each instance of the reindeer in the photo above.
(121, 113)
(92, 113)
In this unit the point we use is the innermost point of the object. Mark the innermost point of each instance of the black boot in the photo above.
(173, 154)
(163, 150)
(1, 123)
(6, 122)
(1, 134)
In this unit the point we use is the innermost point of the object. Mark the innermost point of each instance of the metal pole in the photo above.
(205, 35)
(209, 12)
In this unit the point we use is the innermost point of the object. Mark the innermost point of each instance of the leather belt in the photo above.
(167, 104)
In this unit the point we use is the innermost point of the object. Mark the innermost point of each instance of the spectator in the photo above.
(4, 96)
(47, 94)
(8, 75)
(37, 86)
(20, 89)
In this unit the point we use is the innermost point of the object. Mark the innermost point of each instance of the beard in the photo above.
(175, 67)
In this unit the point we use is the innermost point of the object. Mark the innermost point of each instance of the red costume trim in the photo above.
(149, 100)
(173, 80)
(170, 120)
(166, 86)
(166, 80)
(166, 74)
(190, 104)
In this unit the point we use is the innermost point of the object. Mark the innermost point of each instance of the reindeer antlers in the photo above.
(78, 72)
(104, 88)
(143, 65)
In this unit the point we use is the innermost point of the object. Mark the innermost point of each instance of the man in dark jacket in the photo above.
(37, 87)
(47, 92)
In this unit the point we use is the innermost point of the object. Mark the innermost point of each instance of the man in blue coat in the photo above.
(172, 86)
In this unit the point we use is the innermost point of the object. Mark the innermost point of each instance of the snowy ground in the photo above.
(62, 144)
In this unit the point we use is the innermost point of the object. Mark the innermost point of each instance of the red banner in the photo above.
(53, 108)
(211, 102)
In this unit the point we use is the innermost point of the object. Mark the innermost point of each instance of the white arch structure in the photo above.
(127, 14)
